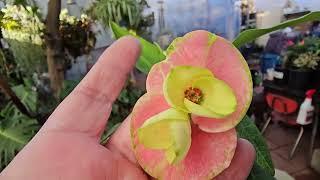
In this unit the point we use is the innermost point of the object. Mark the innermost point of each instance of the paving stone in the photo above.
(282, 164)
(306, 174)
(280, 140)
(281, 135)
(299, 160)
(271, 146)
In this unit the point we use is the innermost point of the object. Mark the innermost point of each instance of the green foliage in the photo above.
(30, 58)
(68, 86)
(127, 12)
(76, 33)
(19, 2)
(307, 60)
(150, 54)
(27, 96)
(304, 55)
(15, 132)
(16, 129)
(22, 23)
(252, 34)
(247, 130)
(121, 109)
(124, 104)
(258, 173)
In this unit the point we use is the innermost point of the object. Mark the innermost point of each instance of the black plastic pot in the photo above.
(316, 80)
(300, 79)
(283, 79)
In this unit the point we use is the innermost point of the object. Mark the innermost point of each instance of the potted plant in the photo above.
(302, 62)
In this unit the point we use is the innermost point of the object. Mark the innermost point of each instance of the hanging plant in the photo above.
(77, 35)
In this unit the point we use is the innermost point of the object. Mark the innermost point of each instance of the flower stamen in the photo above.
(193, 94)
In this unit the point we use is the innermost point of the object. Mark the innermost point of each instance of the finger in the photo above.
(88, 107)
(120, 141)
(122, 168)
(241, 163)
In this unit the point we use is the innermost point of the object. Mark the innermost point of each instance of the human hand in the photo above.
(67, 146)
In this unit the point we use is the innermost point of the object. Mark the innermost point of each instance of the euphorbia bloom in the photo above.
(183, 127)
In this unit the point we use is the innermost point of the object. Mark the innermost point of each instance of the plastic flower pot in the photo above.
(300, 79)
(316, 79)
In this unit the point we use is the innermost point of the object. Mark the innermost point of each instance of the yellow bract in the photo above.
(178, 80)
(218, 98)
(169, 131)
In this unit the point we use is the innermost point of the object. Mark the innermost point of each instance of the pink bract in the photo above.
(226, 63)
(208, 155)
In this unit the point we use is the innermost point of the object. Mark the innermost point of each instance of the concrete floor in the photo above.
(280, 140)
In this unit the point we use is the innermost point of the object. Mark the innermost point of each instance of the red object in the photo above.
(310, 93)
(281, 104)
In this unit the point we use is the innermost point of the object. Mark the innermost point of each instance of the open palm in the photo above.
(67, 146)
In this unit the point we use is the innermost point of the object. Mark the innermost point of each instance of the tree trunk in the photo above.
(4, 86)
(55, 57)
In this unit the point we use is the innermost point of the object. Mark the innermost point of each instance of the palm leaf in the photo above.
(16, 130)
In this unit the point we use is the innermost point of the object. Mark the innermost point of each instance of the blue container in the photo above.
(269, 61)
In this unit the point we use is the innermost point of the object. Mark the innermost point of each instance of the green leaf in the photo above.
(68, 86)
(150, 53)
(252, 34)
(246, 129)
(258, 173)
(15, 132)
(107, 134)
(27, 96)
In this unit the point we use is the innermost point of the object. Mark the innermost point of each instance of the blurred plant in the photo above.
(307, 60)
(304, 55)
(16, 129)
(19, 2)
(22, 24)
(23, 31)
(76, 34)
(121, 108)
(128, 13)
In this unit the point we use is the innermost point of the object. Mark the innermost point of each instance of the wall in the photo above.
(268, 19)
(181, 16)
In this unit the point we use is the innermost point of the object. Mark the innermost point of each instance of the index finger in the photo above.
(88, 107)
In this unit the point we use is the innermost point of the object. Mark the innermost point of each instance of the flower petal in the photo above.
(157, 75)
(168, 130)
(228, 65)
(199, 110)
(209, 154)
(171, 135)
(178, 80)
(191, 49)
(217, 96)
